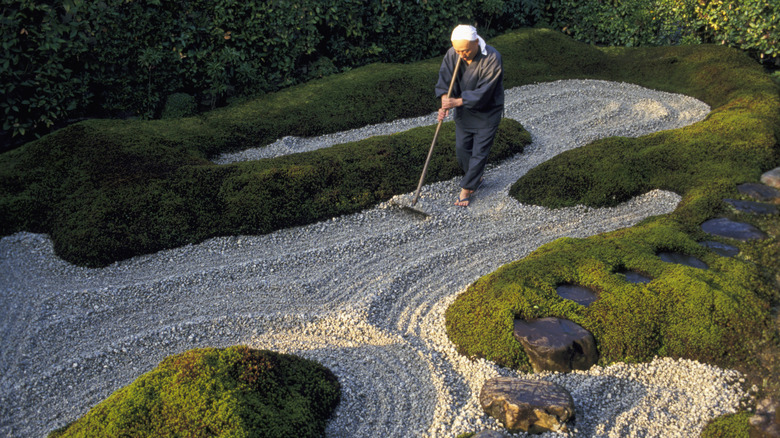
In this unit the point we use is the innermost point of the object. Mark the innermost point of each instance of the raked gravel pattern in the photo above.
(363, 294)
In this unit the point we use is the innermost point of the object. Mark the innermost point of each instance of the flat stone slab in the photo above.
(635, 277)
(772, 178)
(579, 294)
(525, 405)
(760, 192)
(556, 344)
(722, 249)
(682, 259)
(752, 207)
(488, 434)
(725, 227)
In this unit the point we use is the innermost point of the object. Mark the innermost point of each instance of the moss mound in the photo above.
(684, 312)
(105, 193)
(705, 315)
(236, 392)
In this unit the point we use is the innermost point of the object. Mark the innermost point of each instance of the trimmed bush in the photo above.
(235, 391)
(106, 192)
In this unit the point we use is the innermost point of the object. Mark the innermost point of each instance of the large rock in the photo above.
(533, 406)
(555, 344)
(772, 178)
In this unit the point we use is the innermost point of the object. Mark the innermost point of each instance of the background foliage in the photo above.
(69, 59)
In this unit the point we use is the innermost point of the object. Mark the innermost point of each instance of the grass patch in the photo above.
(235, 391)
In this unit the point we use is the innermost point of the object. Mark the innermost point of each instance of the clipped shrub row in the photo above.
(683, 312)
(751, 26)
(106, 191)
(78, 58)
(235, 391)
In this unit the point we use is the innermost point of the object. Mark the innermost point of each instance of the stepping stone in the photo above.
(682, 259)
(760, 192)
(635, 277)
(555, 344)
(725, 227)
(525, 405)
(579, 294)
(722, 249)
(488, 434)
(772, 178)
(752, 207)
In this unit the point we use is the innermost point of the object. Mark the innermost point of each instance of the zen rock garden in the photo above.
(560, 345)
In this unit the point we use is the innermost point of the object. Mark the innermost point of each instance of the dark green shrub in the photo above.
(179, 105)
(122, 58)
(750, 26)
(235, 391)
(110, 190)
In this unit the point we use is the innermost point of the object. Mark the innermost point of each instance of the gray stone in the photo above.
(534, 406)
(760, 192)
(682, 259)
(722, 249)
(772, 177)
(635, 277)
(725, 227)
(488, 434)
(555, 344)
(579, 294)
(766, 422)
(752, 207)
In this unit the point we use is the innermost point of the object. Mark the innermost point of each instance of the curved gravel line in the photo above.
(363, 294)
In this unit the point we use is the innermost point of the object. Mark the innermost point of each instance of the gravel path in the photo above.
(363, 294)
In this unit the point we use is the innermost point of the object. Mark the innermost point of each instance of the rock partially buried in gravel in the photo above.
(533, 406)
(488, 434)
(555, 344)
(766, 422)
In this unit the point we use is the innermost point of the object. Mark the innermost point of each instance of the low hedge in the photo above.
(235, 391)
(107, 191)
(683, 312)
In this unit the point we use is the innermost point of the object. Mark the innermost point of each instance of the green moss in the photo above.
(103, 199)
(683, 312)
(729, 426)
(236, 392)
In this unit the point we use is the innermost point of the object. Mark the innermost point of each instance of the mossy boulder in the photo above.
(235, 391)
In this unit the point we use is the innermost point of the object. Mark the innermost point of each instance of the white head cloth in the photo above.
(468, 33)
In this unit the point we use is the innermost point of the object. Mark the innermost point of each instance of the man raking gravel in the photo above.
(479, 104)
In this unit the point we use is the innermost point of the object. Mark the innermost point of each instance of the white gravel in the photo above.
(363, 294)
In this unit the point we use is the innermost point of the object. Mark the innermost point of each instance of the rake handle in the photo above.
(435, 137)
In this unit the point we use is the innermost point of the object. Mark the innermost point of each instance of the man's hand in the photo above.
(442, 114)
(451, 102)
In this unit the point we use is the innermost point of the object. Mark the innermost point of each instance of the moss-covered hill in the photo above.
(106, 190)
(717, 315)
(235, 392)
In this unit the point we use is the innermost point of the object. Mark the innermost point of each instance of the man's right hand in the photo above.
(442, 114)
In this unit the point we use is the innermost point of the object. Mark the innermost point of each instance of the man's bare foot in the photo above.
(464, 198)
